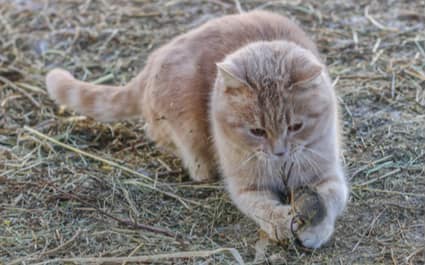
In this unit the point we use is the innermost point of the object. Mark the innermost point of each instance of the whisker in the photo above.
(315, 152)
(250, 157)
(313, 164)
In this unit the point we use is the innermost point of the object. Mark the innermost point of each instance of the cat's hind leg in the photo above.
(192, 146)
(195, 151)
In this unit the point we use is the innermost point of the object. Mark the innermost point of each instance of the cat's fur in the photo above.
(207, 93)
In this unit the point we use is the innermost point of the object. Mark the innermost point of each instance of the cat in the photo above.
(243, 96)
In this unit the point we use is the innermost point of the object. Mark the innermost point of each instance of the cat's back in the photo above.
(221, 36)
(187, 64)
(241, 29)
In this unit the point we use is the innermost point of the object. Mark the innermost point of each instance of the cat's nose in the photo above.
(279, 149)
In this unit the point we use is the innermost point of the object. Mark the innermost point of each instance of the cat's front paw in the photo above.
(315, 236)
(311, 225)
(278, 227)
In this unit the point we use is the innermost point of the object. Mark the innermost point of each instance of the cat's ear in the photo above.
(229, 76)
(305, 69)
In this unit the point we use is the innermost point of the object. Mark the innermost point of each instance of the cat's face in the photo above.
(274, 107)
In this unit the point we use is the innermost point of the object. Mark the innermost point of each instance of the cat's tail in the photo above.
(103, 103)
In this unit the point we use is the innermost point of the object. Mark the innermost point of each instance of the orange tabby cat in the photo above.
(244, 95)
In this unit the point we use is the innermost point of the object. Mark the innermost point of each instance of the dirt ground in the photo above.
(83, 199)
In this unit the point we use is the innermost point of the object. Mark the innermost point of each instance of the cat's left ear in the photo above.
(305, 68)
(229, 76)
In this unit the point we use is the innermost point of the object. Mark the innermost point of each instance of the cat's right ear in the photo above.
(230, 79)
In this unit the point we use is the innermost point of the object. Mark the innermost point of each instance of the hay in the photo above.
(72, 189)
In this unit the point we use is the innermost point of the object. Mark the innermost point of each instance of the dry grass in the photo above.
(100, 193)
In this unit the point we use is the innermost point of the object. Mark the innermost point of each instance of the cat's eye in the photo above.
(258, 132)
(295, 127)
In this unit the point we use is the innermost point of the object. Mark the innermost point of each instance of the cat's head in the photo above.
(273, 99)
